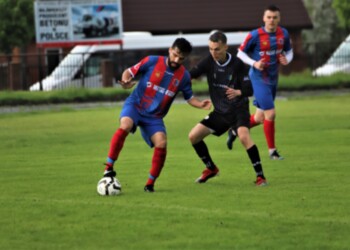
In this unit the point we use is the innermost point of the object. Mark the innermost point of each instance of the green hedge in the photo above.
(294, 82)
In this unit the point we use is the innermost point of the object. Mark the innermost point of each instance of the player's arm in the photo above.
(243, 86)
(259, 65)
(201, 104)
(245, 83)
(127, 80)
(188, 94)
(199, 69)
(129, 74)
(286, 57)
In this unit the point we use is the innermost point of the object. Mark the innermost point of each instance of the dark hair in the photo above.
(218, 36)
(273, 8)
(183, 45)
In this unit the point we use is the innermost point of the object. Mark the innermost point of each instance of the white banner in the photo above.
(78, 21)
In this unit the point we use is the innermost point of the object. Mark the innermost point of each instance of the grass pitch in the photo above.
(50, 163)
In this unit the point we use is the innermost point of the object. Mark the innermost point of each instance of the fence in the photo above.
(79, 69)
(104, 67)
(28, 69)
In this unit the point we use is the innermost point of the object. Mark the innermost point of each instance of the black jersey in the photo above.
(233, 73)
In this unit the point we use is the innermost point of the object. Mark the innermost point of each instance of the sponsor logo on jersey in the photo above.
(169, 73)
(176, 82)
(160, 89)
(218, 85)
(271, 52)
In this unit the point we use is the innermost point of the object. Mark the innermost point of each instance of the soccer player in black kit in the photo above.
(229, 89)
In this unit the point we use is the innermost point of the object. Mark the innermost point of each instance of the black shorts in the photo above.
(220, 123)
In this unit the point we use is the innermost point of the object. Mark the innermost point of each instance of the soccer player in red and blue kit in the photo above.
(161, 78)
(264, 49)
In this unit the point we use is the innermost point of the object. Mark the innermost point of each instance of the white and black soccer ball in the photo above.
(109, 186)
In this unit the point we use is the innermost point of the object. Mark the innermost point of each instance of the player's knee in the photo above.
(192, 137)
(259, 121)
(126, 124)
(244, 136)
(160, 143)
(271, 117)
(270, 114)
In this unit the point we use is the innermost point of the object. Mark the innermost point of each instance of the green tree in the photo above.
(327, 34)
(16, 25)
(342, 7)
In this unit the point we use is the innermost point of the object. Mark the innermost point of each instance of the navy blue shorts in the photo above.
(264, 94)
(148, 125)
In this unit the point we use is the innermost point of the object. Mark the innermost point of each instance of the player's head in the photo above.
(271, 18)
(218, 45)
(178, 52)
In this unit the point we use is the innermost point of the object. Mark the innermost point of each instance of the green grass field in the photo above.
(50, 163)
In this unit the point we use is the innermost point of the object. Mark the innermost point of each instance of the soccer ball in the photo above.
(109, 186)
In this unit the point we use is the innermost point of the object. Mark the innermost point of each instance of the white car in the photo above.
(338, 62)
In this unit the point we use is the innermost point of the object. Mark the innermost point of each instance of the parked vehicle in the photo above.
(81, 67)
(338, 62)
(99, 26)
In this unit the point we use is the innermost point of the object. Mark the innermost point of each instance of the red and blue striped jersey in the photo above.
(158, 86)
(262, 44)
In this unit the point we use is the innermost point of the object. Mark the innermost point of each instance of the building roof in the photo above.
(193, 16)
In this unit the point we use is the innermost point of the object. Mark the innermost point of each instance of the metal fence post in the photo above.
(83, 72)
(40, 69)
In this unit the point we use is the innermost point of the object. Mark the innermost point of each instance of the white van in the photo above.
(81, 67)
(338, 62)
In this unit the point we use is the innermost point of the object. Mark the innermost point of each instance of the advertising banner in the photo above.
(72, 22)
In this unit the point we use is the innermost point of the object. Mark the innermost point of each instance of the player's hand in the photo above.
(282, 59)
(206, 104)
(232, 93)
(127, 84)
(259, 65)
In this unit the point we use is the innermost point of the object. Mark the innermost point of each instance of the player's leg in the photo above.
(153, 132)
(269, 130)
(257, 118)
(128, 121)
(269, 122)
(261, 90)
(213, 124)
(196, 137)
(117, 143)
(159, 141)
(266, 114)
(243, 132)
(253, 154)
(231, 137)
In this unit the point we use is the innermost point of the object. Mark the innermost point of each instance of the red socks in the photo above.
(269, 130)
(117, 143)
(253, 123)
(158, 160)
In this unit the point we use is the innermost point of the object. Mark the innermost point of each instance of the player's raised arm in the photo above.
(127, 80)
